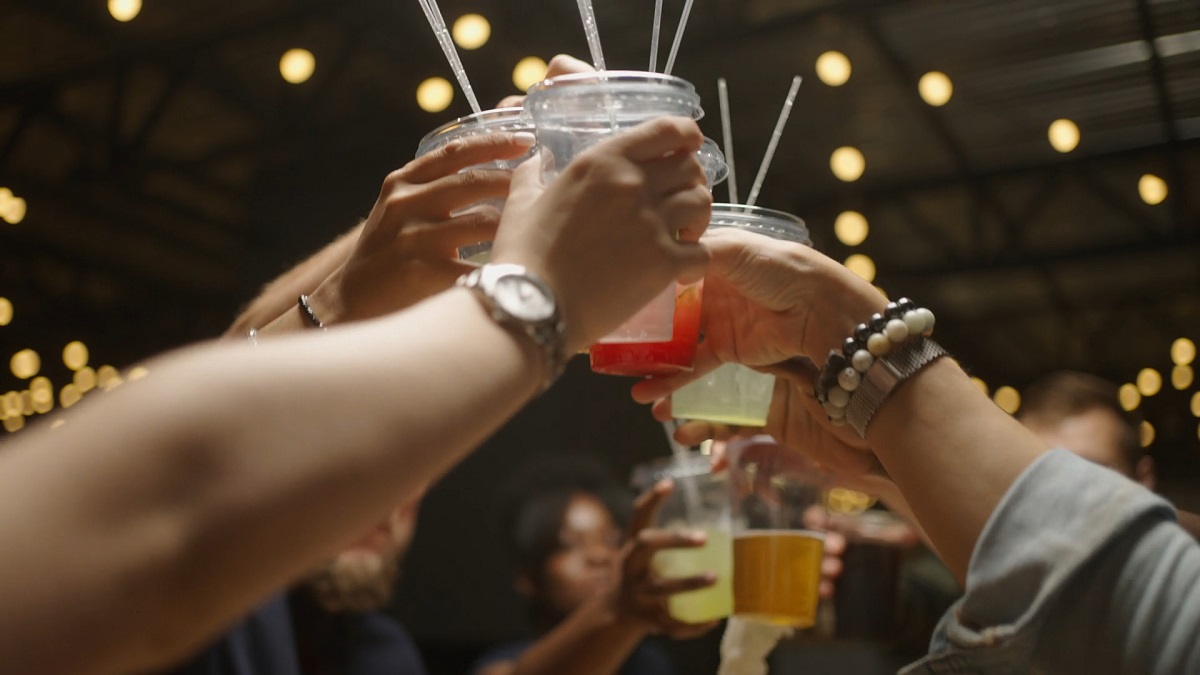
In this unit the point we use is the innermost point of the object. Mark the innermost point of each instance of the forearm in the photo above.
(952, 453)
(192, 509)
(592, 641)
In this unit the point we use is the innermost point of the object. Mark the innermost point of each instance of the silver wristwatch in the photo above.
(518, 300)
(884, 375)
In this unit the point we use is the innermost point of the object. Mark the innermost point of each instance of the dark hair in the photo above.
(1064, 394)
(536, 498)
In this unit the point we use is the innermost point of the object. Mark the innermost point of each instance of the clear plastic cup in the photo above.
(486, 122)
(779, 522)
(700, 501)
(733, 393)
(573, 113)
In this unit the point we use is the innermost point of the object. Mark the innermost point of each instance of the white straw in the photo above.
(766, 163)
(438, 24)
(727, 132)
(593, 33)
(687, 11)
(655, 33)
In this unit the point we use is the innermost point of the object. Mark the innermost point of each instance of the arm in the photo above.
(598, 638)
(166, 509)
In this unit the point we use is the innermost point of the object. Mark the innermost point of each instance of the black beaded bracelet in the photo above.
(845, 371)
(308, 312)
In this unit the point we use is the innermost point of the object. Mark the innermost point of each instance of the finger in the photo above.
(826, 589)
(653, 140)
(647, 542)
(831, 568)
(835, 544)
(679, 630)
(674, 173)
(691, 262)
(466, 152)
(452, 193)
(646, 506)
(564, 64)
(471, 227)
(663, 588)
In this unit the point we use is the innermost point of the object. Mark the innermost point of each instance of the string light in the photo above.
(297, 65)
(1146, 431)
(847, 163)
(851, 228)
(1152, 189)
(1196, 404)
(75, 355)
(25, 364)
(1064, 135)
(85, 379)
(14, 424)
(1183, 352)
(435, 94)
(528, 72)
(107, 378)
(6, 311)
(1182, 377)
(861, 265)
(124, 10)
(1149, 382)
(1129, 397)
(1008, 399)
(935, 88)
(69, 396)
(471, 31)
(833, 68)
(980, 384)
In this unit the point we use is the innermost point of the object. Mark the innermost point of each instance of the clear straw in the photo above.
(655, 33)
(727, 131)
(687, 11)
(766, 163)
(691, 495)
(438, 24)
(593, 33)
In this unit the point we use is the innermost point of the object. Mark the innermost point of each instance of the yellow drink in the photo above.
(706, 604)
(778, 575)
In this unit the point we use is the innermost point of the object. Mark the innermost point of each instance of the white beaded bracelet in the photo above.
(882, 352)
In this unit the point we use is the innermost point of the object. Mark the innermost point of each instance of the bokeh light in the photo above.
(471, 31)
(435, 94)
(861, 265)
(1152, 189)
(1146, 432)
(847, 163)
(1129, 396)
(1183, 352)
(297, 65)
(1008, 399)
(1182, 377)
(1149, 381)
(1064, 135)
(528, 72)
(851, 228)
(124, 10)
(75, 355)
(935, 88)
(25, 364)
(833, 68)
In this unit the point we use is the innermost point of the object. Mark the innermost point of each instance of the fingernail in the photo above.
(524, 138)
(698, 536)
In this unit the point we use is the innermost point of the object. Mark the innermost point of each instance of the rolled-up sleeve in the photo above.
(1077, 570)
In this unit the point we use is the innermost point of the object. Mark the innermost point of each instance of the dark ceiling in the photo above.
(169, 170)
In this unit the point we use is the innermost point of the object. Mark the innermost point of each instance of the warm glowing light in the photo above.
(1146, 431)
(108, 378)
(1008, 399)
(833, 68)
(1064, 135)
(471, 31)
(1149, 382)
(6, 312)
(297, 65)
(1152, 189)
(435, 94)
(85, 379)
(861, 265)
(13, 210)
(843, 500)
(25, 364)
(1182, 377)
(43, 405)
(27, 403)
(851, 228)
(981, 384)
(69, 396)
(14, 424)
(11, 404)
(1196, 404)
(75, 355)
(847, 163)
(1129, 396)
(136, 373)
(935, 88)
(124, 10)
(528, 72)
(1183, 350)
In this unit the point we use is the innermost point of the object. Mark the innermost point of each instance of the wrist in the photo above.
(842, 300)
(327, 303)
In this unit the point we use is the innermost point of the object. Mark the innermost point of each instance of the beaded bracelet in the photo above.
(898, 337)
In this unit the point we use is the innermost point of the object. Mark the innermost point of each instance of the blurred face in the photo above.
(1095, 436)
(589, 542)
(362, 577)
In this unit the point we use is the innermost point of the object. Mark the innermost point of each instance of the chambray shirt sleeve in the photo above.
(1079, 570)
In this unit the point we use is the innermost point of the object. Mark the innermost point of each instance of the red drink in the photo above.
(643, 359)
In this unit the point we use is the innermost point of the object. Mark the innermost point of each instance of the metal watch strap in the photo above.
(884, 375)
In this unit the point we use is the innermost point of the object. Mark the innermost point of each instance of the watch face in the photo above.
(523, 299)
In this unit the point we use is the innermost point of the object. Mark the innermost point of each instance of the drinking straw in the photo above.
(727, 132)
(766, 163)
(687, 11)
(687, 484)
(592, 31)
(654, 34)
(438, 24)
